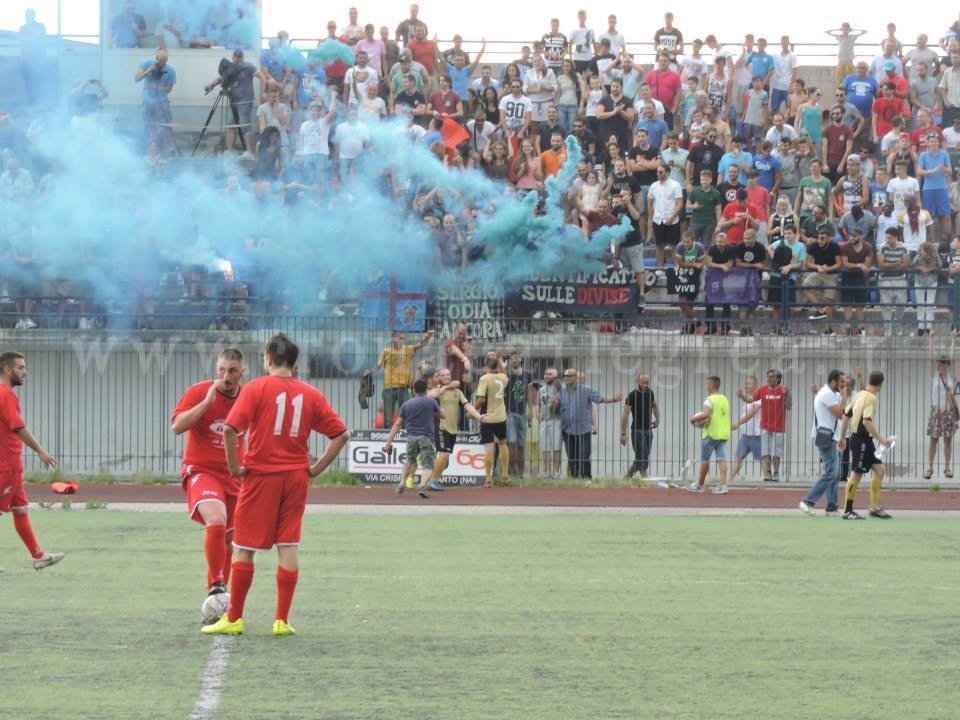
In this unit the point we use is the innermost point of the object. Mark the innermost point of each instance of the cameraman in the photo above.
(159, 81)
(237, 80)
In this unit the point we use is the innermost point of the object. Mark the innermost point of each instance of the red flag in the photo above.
(453, 133)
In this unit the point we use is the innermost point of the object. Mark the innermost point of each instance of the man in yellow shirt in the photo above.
(450, 401)
(862, 414)
(491, 397)
(397, 364)
(715, 421)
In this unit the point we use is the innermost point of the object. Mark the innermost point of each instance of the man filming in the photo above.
(236, 78)
(159, 79)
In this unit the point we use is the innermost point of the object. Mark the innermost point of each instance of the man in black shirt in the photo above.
(551, 126)
(823, 264)
(586, 138)
(705, 156)
(644, 161)
(616, 116)
(728, 188)
(641, 407)
(751, 255)
(722, 257)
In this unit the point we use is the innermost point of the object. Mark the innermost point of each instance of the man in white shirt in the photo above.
(357, 78)
(784, 73)
(480, 132)
(664, 206)
(516, 110)
(827, 410)
(780, 129)
(315, 143)
(913, 224)
(749, 424)
(900, 186)
(617, 42)
(582, 40)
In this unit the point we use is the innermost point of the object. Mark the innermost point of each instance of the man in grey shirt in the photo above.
(417, 417)
(576, 406)
(923, 89)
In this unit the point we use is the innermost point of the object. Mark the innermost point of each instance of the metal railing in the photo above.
(101, 401)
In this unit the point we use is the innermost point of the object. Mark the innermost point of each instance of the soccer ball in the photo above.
(213, 608)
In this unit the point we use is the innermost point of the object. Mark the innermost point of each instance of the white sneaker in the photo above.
(48, 559)
(720, 490)
(807, 509)
(695, 487)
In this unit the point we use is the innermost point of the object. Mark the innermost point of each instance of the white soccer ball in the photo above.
(213, 608)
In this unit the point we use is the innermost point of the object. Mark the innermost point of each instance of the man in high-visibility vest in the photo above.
(715, 421)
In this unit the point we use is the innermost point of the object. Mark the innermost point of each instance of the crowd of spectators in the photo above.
(835, 197)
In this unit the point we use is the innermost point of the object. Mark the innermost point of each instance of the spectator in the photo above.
(933, 165)
(128, 28)
(274, 71)
(852, 117)
(424, 51)
(729, 187)
(721, 256)
(644, 414)
(668, 39)
(738, 216)
(846, 38)
(516, 111)
(665, 86)
(375, 49)
(823, 265)
(942, 422)
(353, 31)
(315, 144)
(391, 49)
(550, 430)
(788, 257)
(688, 260)
(397, 364)
(704, 202)
(411, 99)
(885, 108)
(675, 158)
(540, 85)
(445, 103)
(735, 156)
(893, 262)
(664, 209)
(750, 255)
(273, 113)
(33, 58)
(603, 60)
(270, 157)
(949, 89)
(352, 138)
(748, 421)
(581, 43)
(576, 403)
(554, 157)
(16, 183)
(878, 68)
(693, 66)
(784, 75)
(926, 266)
(519, 413)
(357, 78)
(837, 145)
(861, 89)
(715, 420)
(809, 118)
(852, 188)
(780, 130)
(755, 115)
(238, 85)
(554, 46)
(615, 115)
(768, 169)
(451, 248)
(628, 255)
(705, 156)
(856, 261)
(655, 128)
(158, 80)
(407, 29)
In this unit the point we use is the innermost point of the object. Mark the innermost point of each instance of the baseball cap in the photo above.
(889, 65)
(853, 158)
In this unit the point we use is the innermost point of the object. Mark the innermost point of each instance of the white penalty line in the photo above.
(214, 679)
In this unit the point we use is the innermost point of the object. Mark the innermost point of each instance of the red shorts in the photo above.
(12, 493)
(204, 487)
(270, 510)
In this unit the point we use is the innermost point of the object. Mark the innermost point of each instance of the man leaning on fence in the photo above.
(397, 364)
(576, 404)
(827, 410)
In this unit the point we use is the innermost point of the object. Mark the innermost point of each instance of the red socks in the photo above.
(242, 573)
(214, 547)
(21, 522)
(286, 585)
(227, 560)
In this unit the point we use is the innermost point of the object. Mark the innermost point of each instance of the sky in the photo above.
(529, 20)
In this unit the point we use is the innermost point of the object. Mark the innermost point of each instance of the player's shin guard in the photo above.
(227, 557)
(852, 483)
(286, 585)
(488, 465)
(21, 523)
(875, 483)
(242, 580)
(439, 467)
(214, 548)
(505, 463)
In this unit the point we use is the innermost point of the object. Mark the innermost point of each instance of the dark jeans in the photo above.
(393, 397)
(642, 441)
(578, 454)
(714, 326)
(780, 296)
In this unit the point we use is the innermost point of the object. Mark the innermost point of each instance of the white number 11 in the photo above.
(282, 411)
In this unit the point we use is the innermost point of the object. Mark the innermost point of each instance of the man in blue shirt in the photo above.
(655, 127)
(737, 155)
(128, 27)
(761, 64)
(861, 91)
(576, 409)
(460, 71)
(933, 166)
(767, 166)
(158, 80)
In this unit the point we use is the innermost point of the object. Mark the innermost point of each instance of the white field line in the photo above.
(214, 679)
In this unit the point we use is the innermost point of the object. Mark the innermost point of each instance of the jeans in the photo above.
(393, 396)
(578, 454)
(642, 441)
(566, 114)
(827, 482)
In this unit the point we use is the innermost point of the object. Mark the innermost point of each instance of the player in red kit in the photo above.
(13, 436)
(775, 402)
(210, 489)
(277, 412)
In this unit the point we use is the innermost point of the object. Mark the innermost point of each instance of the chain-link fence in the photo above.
(102, 403)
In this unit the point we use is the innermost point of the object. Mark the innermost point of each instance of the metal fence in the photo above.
(101, 402)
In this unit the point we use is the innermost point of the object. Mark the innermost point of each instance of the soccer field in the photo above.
(496, 617)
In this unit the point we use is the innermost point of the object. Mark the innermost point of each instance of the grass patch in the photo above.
(335, 477)
(500, 617)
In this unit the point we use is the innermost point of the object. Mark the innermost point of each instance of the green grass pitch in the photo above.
(452, 617)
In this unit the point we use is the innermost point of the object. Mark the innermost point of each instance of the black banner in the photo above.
(579, 292)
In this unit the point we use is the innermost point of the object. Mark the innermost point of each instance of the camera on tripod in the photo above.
(229, 75)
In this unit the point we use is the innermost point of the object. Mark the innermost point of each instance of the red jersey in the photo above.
(11, 446)
(886, 109)
(773, 409)
(735, 231)
(277, 414)
(918, 138)
(203, 450)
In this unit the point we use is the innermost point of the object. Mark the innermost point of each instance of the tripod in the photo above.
(221, 103)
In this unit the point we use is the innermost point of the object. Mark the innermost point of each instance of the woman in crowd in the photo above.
(569, 90)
